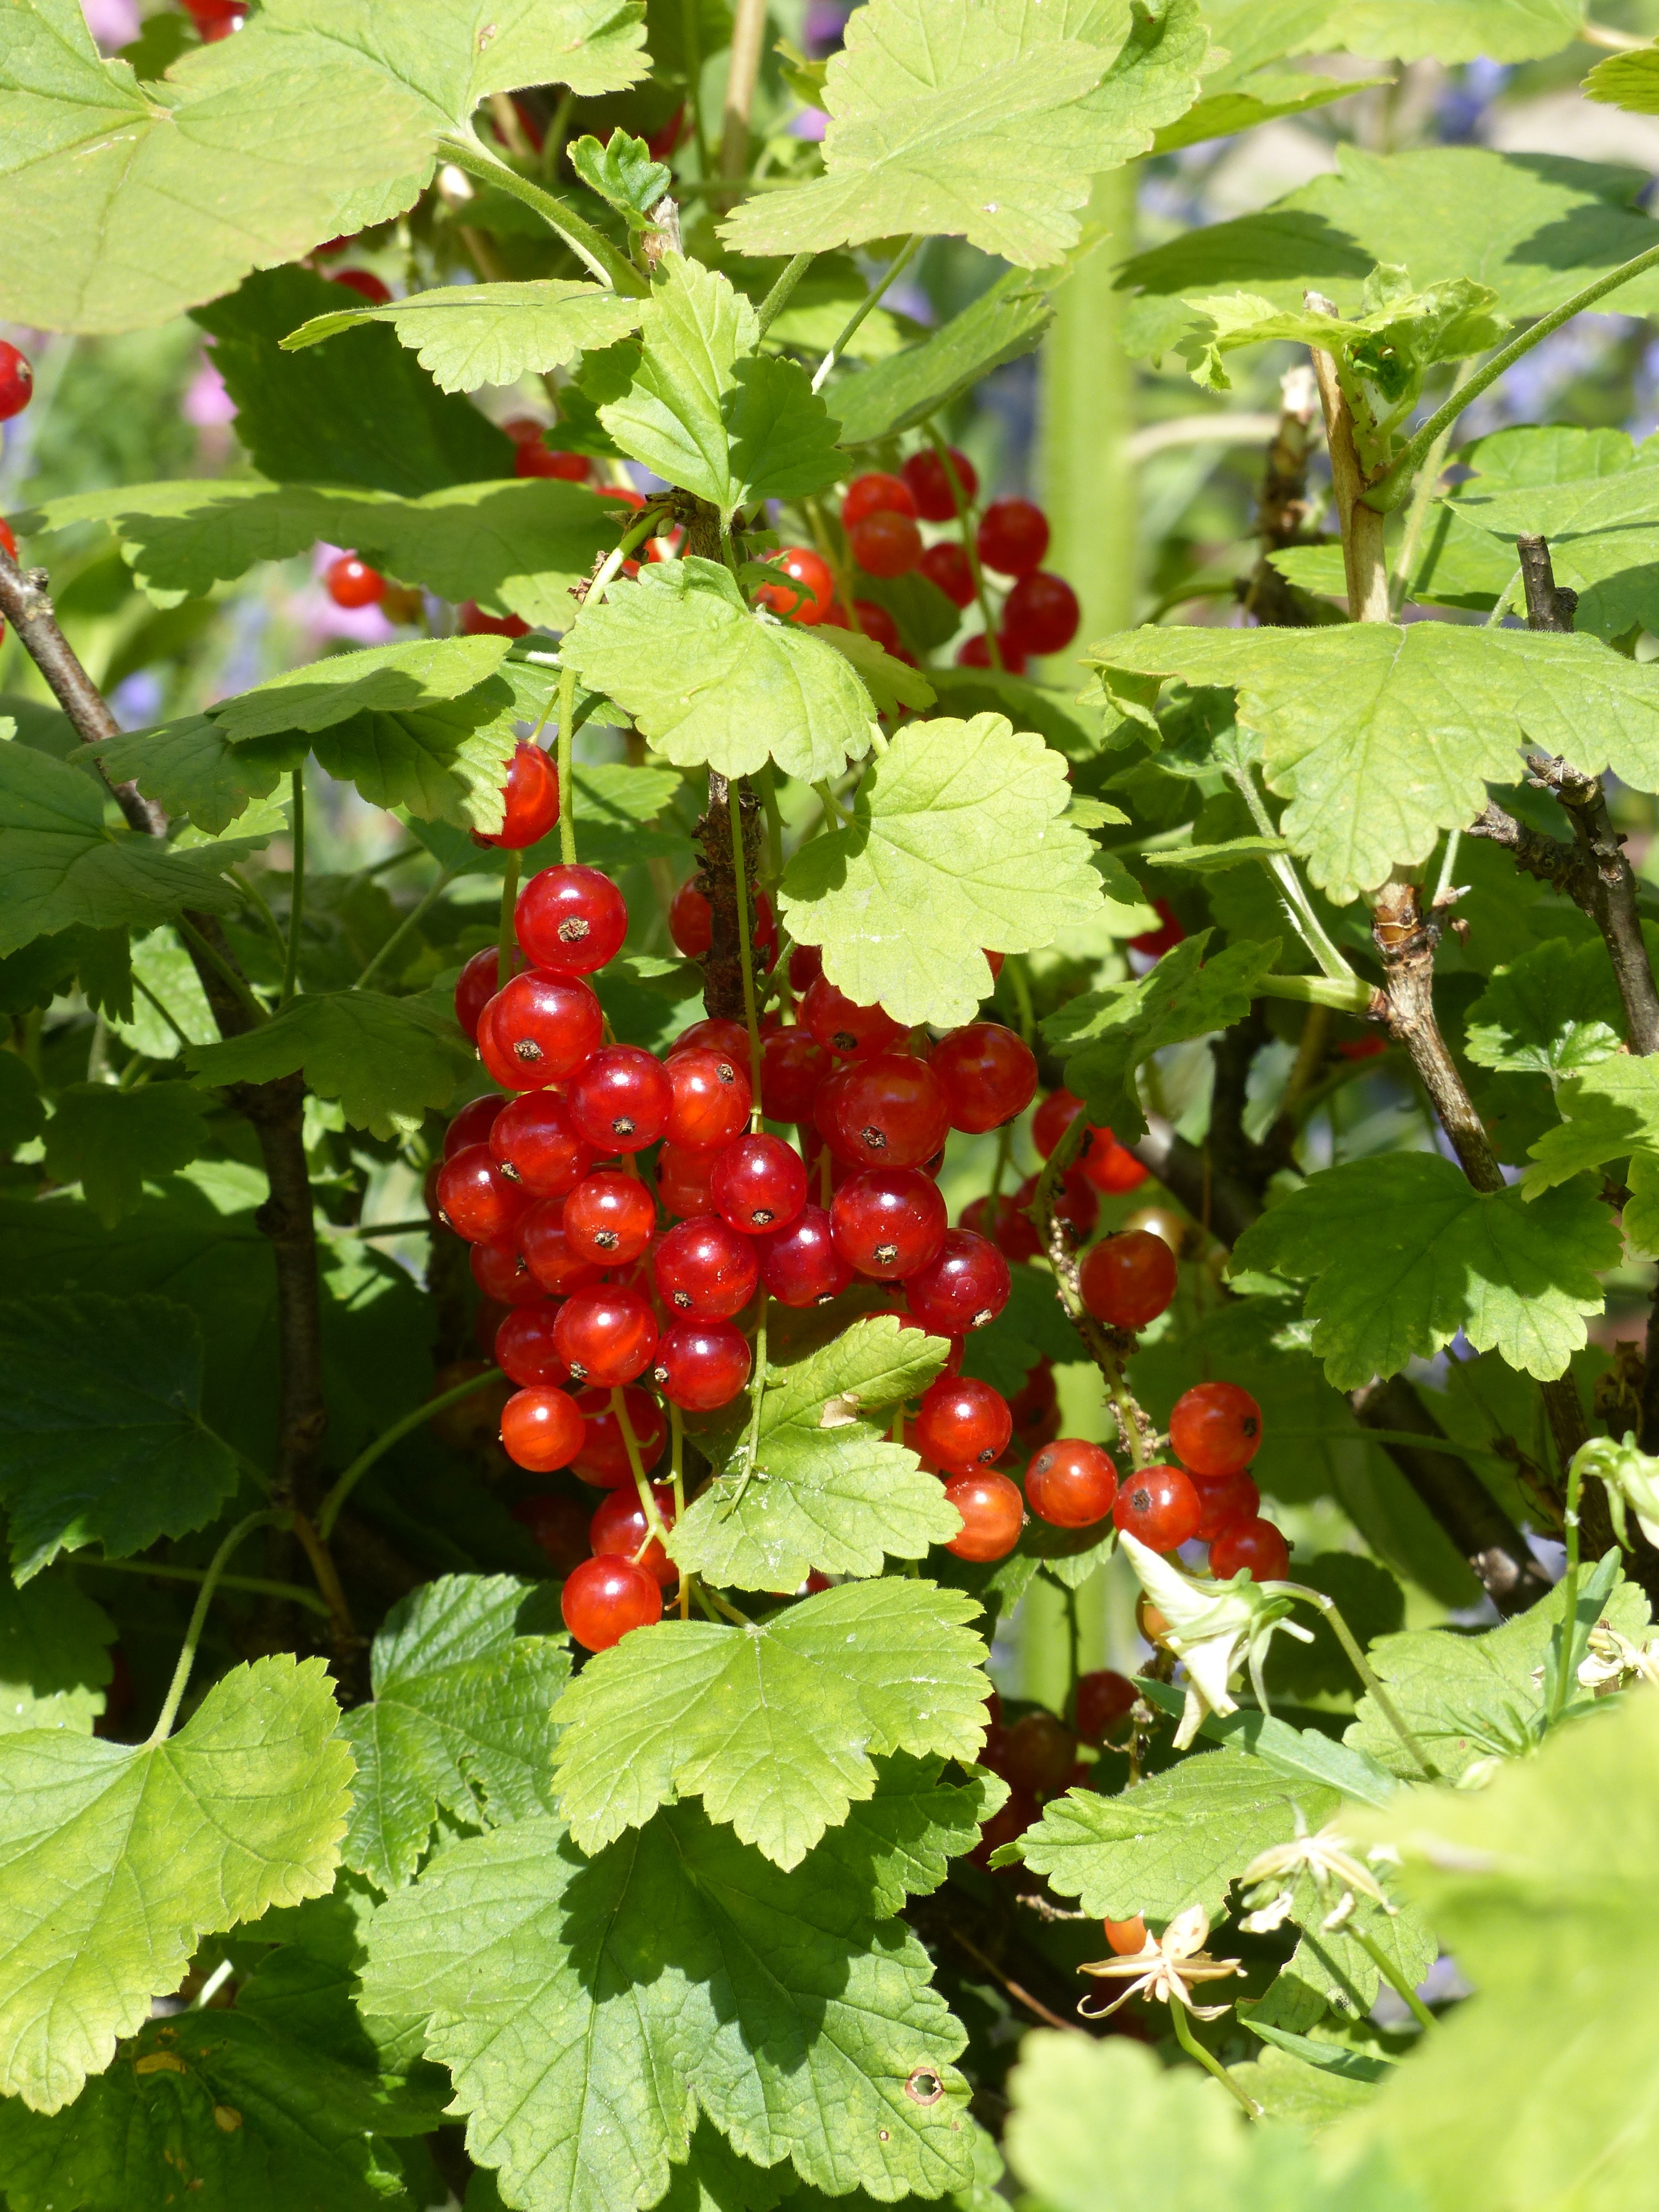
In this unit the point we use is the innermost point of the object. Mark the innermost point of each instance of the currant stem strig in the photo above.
(267, 1517)
(567, 757)
(733, 798)
(636, 1467)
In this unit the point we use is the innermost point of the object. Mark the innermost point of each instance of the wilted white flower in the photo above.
(1326, 1856)
(1168, 1968)
(1214, 1629)
(1632, 1479)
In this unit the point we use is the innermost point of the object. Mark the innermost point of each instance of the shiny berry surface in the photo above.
(805, 965)
(606, 1335)
(571, 919)
(620, 1098)
(1256, 1544)
(541, 1429)
(618, 1529)
(701, 1365)
(886, 1110)
(608, 1218)
(1009, 1228)
(841, 1026)
(709, 1099)
(963, 1287)
(887, 1222)
(691, 922)
(540, 1028)
(1126, 1937)
(1041, 614)
(986, 1073)
(682, 1179)
(993, 1514)
(501, 1273)
(16, 381)
(1111, 1168)
(1158, 1506)
(928, 482)
(8, 539)
(475, 987)
(478, 1201)
(524, 1347)
(759, 1183)
(1103, 1698)
(1127, 1280)
(962, 1423)
(793, 1068)
(875, 493)
(947, 568)
(1215, 1429)
(530, 795)
(602, 1599)
(535, 1140)
(350, 582)
(714, 1034)
(704, 1270)
(473, 1124)
(547, 1251)
(1225, 1504)
(816, 586)
(1053, 1118)
(603, 1459)
(885, 544)
(1071, 1484)
(1013, 536)
(1072, 1202)
(799, 1265)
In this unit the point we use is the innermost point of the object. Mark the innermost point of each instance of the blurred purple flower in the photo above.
(206, 405)
(810, 123)
(319, 617)
(113, 22)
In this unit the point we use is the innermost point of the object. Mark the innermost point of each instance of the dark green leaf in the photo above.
(112, 1141)
(387, 1060)
(54, 1657)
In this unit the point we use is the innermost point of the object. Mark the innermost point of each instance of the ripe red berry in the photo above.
(1109, 1166)
(558, 1524)
(350, 582)
(962, 1423)
(8, 541)
(1103, 1698)
(993, 1514)
(929, 484)
(501, 1273)
(1155, 943)
(709, 1100)
(875, 493)
(805, 966)
(759, 1183)
(620, 1098)
(1041, 614)
(879, 625)
(524, 1347)
(808, 570)
(683, 1180)
(475, 987)
(1013, 536)
(618, 1529)
(705, 1270)
(535, 458)
(1215, 1429)
(535, 1140)
(1127, 1279)
(885, 544)
(608, 1218)
(986, 1073)
(16, 382)
(475, 623)
(540, 1429)
(603, 1459)
(885, 1110)
(1159, 1506)
(547, 1252)
(539, 1028)
(793, 1069)
(1225, 1505)
(606, 1335)
(714, 1034)
(963, 1287)
(532, 796)
(1038, 1755)
(1071, 1484)
(602, 1599)
(702, 1364)
(1126, 1937)
(478, 1200)
(1074, 1204)
(473, 1124)
(571, 919)
(1256, 1544)
(841, 1025)
(975, 653)
(799, 1265)
(1053, 1118)
(367, 285)
(1031, 1405)
(946, 567)
(1009, 1229)
(887, 1222)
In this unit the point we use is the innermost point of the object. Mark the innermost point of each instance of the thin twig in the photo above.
(263, 1519)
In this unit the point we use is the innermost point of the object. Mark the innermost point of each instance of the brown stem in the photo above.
(1108, 1347)
(1282, 509)
(1363, 561)
(722, 966)
(348, 1646)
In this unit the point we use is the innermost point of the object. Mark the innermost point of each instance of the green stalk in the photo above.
(1353, 997)
(970, 543)
(760, 1398)
(234, 983)
(872, 298)
(505, 939)
(636, 1468)
(410, 921)
(1569, 1592)
(676, 1476)
(596, 251)
(296, 904)
(139, 984)
(265, 1518)
(1362, 1666)
(345, 1483)
(778, 298)
(1302, 917)
(256, 1585)
(1392, 1975)
(566, 755)
(741, 881)
(1194, 2049)
(1417, 513)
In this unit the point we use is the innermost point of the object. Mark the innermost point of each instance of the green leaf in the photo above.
(621, 171)
(967, 692)
(1105, 1035)
(190, 767)
(111, 1141)
(710, 680)
(586, 2008)
(1551, 1012)
(1380, 737)
(1627, 81)
(59, 866)
(1609, 1111)
(1216, 860)
(1640, 1217)
(1403, 1252)
(775, 1727)
(1455, 30)
(54, 1657)
(1032, 1326)
(100, 1407)
(704, 413)
(890, 683)
(465, 335)
(949, 116)
(118, 1859)
(459, 1722)
(22, 1111)
(387, 1060)
(160, 961)
(385, 680)
(827, 1492)
(1303, 1756)
(956, 842)
(1262, 98)
(1008, 319)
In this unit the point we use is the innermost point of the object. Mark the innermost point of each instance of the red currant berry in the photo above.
(366, 285)
(961, 1424)
(1041, 614)
(571, 919)
(964, 1287)
(536, 459)
(816, 586)
(1257, 1546)
(8, 541)
(1009, 1228)
(840, 1025)
(475, 987)
(500, 1273)
(620, 1098)
(929, 484)
(993, 1514)
(619, 1529)
(540, 1429)
(1019, 1812)
(1158, 1506)
(475, 623)
(945, 567)
(975, 653)
(602, 1599)
(691, 922)
(538, 1030)
(702, 1364)
(1226, 1504)
(603, 1459)
(1127, 1279)
(885, 544)
(535, 1140)
(714, 1034)
(805, 966)
(532, 796)
(683, 1180)
(558, 1524)
(524, 1347)
(875, 494)
(1053, 1118)
(1215, 1429)
(799, 1265)
(350, 582)
(16, 382)
(705, 1270)
(886, 1110)
(793, 1069)
(759, 1183)
(1013, 536)
(547, 1252)
(1155, 943)
(1111, 1167)
(1126, 1937)
(988, 1075)
(1103, 1698)
(478, 1200)
(887, 1222)
(1074, 1205)
(1038, 1754)
(709, 1100)
(609, 1218)
(472, 1125)
(1071, 1484)
(606, 1335)
(879, 625)
(1034, 1400)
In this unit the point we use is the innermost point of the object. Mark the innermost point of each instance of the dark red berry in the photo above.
(963, 1287)
(501, 1273)
(603, 1459)
(946, 567)
(1041, 614)
(1010, 1228)
(704, 1270)
(993, 1514)
(1033, 1405)
(478, 1201)
(887, 1222)
(886, 1110)
(535, 1140)
(1103, 1698)
(1158, 1505)
(759, 1183)
(714, 1034)
(1127, 1279)
(1226, 1504)
(475, 987)
(535, 457)
(540, 1429)
(608, 1218)
(1019, 1811)
(793, 1068)
(1256, 1544)
(619, 1529)
(799, 1265)
(620, 1098)
(558, 1524)
(841, 1026)
(986, 1073)
(547, 1252)
(702, 1364)
(975, 653)
(1111, 1167)
(1215, 1429)
(538, 1030)
(962, 1423)
(530, 795)
(683, 1180)
(885, 544)
(602, 1599)
(524, 1347)
(1155, 943)
(810, 571)
(1013, 536)
(928, 482)
(606, 1335)
(879, 625)
(1072, 1202)
(366, 285)
(1053, 1118)
(805, 965)
(1038, 1755)
(1071, 1484)
(473, 1124)
(709, 1099)
(352, 583)
(16, 381)
(571, 919)
(875, 493)
(475, 623)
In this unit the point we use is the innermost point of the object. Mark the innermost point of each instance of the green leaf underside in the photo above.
(465, 335)
(54, 1657)
(459, 1722)
(387, 1060)
(387, 678)
(775, 1727)
(101, 1414)
(116, 1860)
(1455, 30)
(1607, 1111)
(1401, 1253)
(1551, 1012)
(1006, 320)
(957, 842)
(110, 1140)
(190, 767)
(828, 1493)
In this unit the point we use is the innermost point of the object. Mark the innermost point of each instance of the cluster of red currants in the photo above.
(881, 516)
(1036, 1755)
